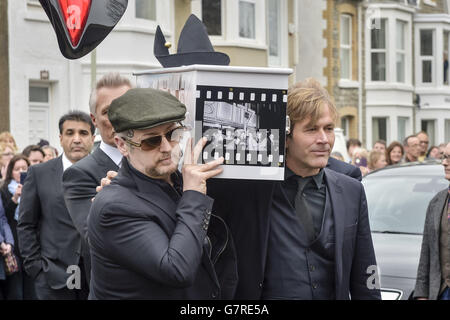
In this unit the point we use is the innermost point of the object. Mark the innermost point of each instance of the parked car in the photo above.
(398, 198)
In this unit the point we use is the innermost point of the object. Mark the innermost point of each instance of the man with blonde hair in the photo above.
(80, 180)
(307, 237)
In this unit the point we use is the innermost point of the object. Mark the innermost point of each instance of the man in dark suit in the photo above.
(433, 274)
(307, 237)
(49, 244)
(344, 168)
(81, 179)
(150, 231)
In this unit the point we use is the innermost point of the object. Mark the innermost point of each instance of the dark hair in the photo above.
(76, 116)
(11, 165)
(353, 142)
(380, 142)
(32, 147)
(405, 141)
(43, 143)
(429, 150)
(390, 148)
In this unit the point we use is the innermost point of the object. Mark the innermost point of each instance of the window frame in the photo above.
(383, 50)
(431, 58)
(230, 24)
(347, 47)
(403, 51)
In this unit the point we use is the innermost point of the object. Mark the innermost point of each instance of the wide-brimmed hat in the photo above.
(194, 47)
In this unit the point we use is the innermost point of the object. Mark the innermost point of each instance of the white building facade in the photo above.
(44, 85)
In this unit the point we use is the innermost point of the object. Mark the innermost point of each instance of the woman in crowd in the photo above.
(433, 153)
(7, 138)
(6, 246)
(394, 153)
(377, 160)
(10, 194)
(359, 159)
(6, 153)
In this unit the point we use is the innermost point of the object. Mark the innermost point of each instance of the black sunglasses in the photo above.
(151, 143)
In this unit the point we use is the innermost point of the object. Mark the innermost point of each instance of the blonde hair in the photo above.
(361, 152)
(308, 99)
(5, 136)
(374, 156)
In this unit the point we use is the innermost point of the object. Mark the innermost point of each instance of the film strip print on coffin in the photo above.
(247, 126)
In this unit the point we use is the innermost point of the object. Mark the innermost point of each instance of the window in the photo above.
(379, 129)
(39, 108)
(414, 3)
(426, 55)
(146, 9)
(346, 46)
(345, 126)
(378, 52)
(247, 19)
(212, 16)
(429, 127)
(400, 50)
(401, 128)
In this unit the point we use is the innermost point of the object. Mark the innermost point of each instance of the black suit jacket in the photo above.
(146, 246)
(79, 183)
(245, 206)
(344, 168)
(48, 240)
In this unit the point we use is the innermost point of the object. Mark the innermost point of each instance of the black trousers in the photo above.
(45, 292)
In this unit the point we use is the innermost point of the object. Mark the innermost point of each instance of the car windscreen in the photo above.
(398, 204)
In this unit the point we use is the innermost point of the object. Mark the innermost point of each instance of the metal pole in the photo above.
(93, 68)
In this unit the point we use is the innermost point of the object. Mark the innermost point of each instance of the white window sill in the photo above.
(348, 84)
(389, 86)
(429, 3)
(237, 43)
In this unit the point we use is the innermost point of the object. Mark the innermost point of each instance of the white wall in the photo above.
(311, 41)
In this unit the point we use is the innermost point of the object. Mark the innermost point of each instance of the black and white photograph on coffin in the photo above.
(245, 132)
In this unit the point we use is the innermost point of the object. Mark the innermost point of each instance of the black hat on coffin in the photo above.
(103, 15)
(194, 47)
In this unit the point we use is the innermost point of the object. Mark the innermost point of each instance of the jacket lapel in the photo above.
(436, 209)
(339, 210)
(103, 160)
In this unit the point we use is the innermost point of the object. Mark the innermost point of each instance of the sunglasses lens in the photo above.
(151, 143)
(174, 135)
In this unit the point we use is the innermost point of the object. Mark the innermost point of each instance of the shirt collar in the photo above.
(66, 162)
(111, 152)
(318, 178)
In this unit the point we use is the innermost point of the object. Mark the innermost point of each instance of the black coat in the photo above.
(10, 209)
(47, 238)
(79, 183)
(144, 245)
(245, 207)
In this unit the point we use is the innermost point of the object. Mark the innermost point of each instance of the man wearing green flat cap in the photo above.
(151, 231)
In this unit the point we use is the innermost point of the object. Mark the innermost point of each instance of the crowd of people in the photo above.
(121, 222)
(16, 285)
(413, 148)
